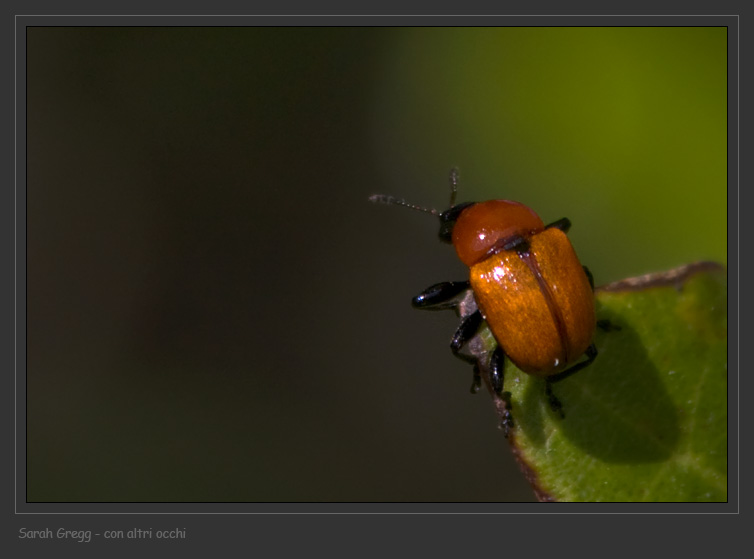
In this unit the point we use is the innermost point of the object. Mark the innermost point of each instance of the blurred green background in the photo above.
(215, 312)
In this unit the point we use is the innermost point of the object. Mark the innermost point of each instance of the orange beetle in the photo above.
(528, 285)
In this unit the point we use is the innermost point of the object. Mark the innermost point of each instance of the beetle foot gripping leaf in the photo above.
(648, 420)
(506, 424)
(481, 348)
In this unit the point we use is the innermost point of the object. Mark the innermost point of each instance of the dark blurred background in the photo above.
(215, 312)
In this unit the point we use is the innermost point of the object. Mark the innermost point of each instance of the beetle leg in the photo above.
(591, 355)
(603, 324)
(464, 333)
(497, 364)
(440, 296)
(589, 276)
(507, 422)
(555, 405)
(564, 224)
(476, 384)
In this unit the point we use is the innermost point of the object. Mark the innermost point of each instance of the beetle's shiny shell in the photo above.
(539, 304)
(482, 225)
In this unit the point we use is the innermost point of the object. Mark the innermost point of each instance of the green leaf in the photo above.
(647, 421)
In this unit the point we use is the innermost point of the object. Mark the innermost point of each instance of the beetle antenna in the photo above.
(392, 200)
(453, 185)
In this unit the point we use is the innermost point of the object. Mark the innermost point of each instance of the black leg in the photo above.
(476, 384)
(507, 422)
(497, 367)
(591, 355)
(497, 364)
(589, 276)
(564, 224)
(464, 333)
(440, 296)
(555, 405)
